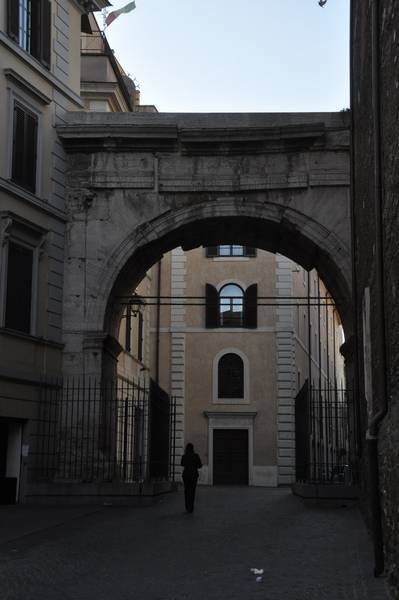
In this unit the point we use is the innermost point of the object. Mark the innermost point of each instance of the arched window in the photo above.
(231, 376)
(231, 305)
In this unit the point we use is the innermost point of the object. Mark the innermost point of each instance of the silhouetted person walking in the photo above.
(191, 463)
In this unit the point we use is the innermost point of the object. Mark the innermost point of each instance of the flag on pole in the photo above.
(115, 13)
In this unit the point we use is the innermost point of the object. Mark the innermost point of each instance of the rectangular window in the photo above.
(128, 330)
(140, 337)
(19, 288)
(24, 24)
(233, 250)
(24, 148)
(29, 25)
(230, 250)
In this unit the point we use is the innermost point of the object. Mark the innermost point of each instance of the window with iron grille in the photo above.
(24, 147)
(29, 25)
(231, 376)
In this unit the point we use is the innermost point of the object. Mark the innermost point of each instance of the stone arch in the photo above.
(263, 224)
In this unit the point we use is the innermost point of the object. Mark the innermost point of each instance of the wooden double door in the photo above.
(230, 457)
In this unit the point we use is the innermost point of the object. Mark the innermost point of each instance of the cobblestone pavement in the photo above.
(161, 553)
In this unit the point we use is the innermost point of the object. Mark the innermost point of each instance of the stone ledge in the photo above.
(118, 494)
(320, 491)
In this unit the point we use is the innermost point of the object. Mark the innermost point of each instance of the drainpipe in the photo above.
(375, 422)
(158, 325)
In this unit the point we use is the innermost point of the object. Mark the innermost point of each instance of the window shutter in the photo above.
(13, 19)
(211, 251)
(46, 33)
(211, 306)
(40, 42)
(24, 149)
(250, 307)
(35, 28)
(30, 152)
(249, 251)
(17, 174)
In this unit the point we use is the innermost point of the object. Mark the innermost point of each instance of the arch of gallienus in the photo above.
(140, 185)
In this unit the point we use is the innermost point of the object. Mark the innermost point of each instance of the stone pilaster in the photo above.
(178, 346)
(285, 367)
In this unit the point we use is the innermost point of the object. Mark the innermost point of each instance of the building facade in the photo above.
(245, 332)
(53, 60)
(375, 223)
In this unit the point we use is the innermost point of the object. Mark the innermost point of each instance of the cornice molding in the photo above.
(87, 6)
(90, 135)
(30, 89)
(231, 413)
(94, 138)
(10, 188)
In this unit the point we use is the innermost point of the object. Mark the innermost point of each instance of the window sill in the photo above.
(16, 79)
(134, 358)
(230, 401)
(236, 328)
(232, 258)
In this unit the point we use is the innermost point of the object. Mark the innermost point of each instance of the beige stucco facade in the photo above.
(275, 354)
(134, 337)
(32, 218)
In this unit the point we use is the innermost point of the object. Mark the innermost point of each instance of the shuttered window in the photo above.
(230, 250)
(29, 24)
(231, 306)
(24, 148)
(19, 288)
(231, 376)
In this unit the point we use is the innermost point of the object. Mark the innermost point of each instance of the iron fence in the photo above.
(90, 431)
(325, 436)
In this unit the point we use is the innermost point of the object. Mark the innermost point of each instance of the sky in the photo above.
(235, 55)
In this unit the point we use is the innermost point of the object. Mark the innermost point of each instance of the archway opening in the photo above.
(293, 382)
(310, 251)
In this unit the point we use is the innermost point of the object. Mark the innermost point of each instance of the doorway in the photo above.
(230, 456)
(10, 460)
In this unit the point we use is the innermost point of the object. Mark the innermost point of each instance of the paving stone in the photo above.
(161, 553)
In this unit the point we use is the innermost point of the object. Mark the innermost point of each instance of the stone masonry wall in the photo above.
(365, 236)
